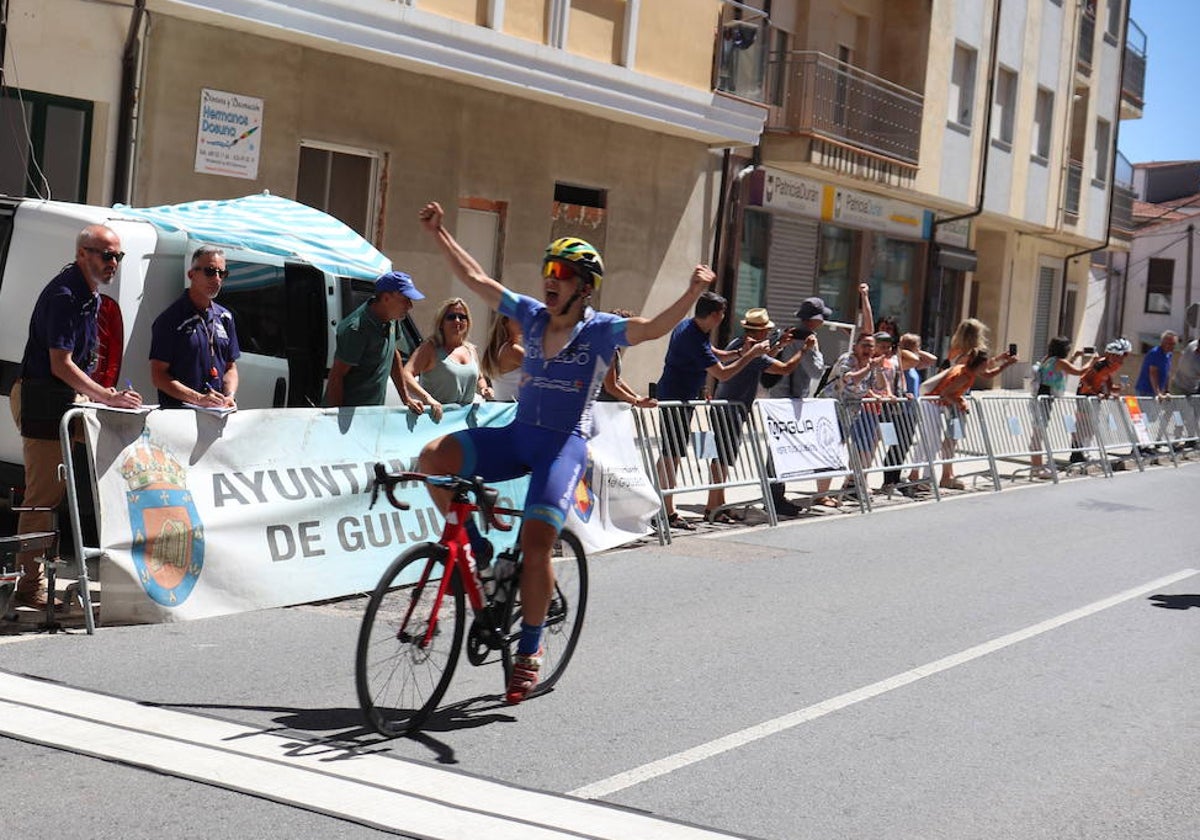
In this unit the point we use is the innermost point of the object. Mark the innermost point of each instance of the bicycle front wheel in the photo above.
(564, 619)
(409, 644)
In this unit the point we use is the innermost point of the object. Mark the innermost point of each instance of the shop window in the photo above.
(341, 182)
(834, 280)
(1160, 282)
(45, 145)
(752, 262)
(892, 280)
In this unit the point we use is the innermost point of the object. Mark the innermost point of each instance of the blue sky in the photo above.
(1170, 125)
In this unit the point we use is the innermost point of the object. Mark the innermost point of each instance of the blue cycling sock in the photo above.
(531, 639)
(480, 546)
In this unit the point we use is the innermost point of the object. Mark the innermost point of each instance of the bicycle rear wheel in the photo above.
(400, 677)
(564, 619)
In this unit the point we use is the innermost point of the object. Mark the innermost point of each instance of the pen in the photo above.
(128, 385)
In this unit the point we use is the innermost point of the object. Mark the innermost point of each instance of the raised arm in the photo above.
(868, 314)
(463, 265)
(647, 329)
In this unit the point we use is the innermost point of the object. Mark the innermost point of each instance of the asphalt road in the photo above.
(1011, 665)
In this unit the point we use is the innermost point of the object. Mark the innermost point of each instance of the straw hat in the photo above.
(757, 319)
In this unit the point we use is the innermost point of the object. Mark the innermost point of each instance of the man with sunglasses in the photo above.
(193, 343)
(61, 352)
(568, 348)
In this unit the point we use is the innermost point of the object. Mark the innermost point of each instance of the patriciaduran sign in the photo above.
(229, 134)
(773, 189)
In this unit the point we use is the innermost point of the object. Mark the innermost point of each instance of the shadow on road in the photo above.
(1176, 602)
(354, 739)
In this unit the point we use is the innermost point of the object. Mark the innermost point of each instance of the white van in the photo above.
(285, 307)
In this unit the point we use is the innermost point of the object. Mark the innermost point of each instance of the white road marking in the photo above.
(356, 785)
(733, 741)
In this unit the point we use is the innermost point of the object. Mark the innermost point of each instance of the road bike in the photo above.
(414, 626)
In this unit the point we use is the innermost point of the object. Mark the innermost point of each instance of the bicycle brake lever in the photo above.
(380, 478)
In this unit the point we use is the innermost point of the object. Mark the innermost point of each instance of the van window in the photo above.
(254, 293)
(355, 292)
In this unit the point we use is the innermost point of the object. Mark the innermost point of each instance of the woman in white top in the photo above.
(502, 359)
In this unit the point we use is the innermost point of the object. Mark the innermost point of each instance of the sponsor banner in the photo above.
(1138, 418)
(803, 437)
(229, 135)
(615, 502)
(203, 515)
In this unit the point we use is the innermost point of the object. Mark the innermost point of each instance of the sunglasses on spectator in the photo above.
(456, 316)
(559, 270)
(106, 255)
(209, 271)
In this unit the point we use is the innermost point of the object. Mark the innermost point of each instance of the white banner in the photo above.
(203, 515)
(803, 437)
(615, 502)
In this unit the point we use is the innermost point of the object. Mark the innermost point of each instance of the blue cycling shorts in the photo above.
(553, 460)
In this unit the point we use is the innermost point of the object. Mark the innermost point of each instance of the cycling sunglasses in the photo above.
(559, 270)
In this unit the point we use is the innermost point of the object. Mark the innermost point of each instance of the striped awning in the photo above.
(272, 225)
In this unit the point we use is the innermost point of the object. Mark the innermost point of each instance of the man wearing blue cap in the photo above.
(366, 354)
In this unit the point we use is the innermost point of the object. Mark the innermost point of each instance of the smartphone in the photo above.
(1012, 349)
(1091, 351)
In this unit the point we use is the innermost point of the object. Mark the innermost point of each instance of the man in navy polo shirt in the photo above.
(690, 359)
(59, 355)
(193, 343)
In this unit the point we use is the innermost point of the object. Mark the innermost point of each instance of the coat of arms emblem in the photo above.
(167, 534)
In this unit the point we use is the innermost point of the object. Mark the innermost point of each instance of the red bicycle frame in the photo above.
(456, 543)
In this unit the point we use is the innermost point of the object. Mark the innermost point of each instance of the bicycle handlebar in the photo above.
(485, 497)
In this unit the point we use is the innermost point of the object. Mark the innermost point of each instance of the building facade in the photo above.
(958, 155)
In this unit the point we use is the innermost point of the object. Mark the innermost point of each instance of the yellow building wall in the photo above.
(442, 141)
(676, 41)
(468, 11)
(526, 19)
(596, 29)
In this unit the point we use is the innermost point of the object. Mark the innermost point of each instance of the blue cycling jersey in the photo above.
(558, 393)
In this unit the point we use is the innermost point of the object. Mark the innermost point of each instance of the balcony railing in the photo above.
(1074, 187)
(1133, 79)
(832, 100)
(1087, 42)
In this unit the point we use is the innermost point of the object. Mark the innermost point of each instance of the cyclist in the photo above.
(568, 348)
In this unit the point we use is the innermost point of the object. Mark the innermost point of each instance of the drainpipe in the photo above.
(1063, 328)
(122, 166)
(1187, 286)
(3, 38)
(984, 155)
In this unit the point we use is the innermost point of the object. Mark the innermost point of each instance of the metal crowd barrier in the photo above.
(964, 440)
(700, 445)
(849, 466)
(908, 437)
(1016, 431)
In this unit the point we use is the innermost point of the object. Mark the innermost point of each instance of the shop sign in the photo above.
(781, 191)
(872, 212)
(229, 135)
